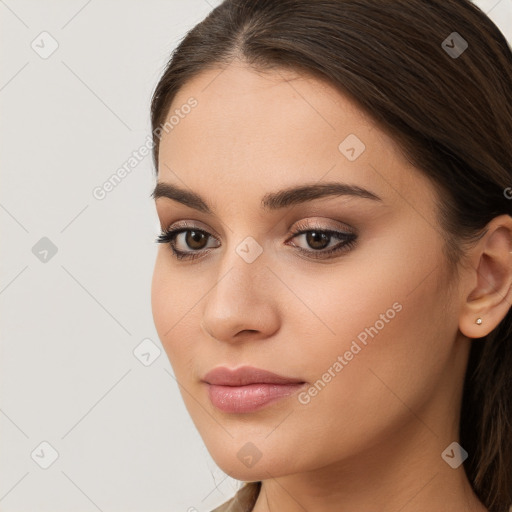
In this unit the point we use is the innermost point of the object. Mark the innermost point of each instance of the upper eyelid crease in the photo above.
(271, 201)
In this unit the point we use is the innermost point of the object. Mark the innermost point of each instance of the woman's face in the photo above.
(370, 329)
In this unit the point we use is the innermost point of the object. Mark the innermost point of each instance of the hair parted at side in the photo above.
(451, 117)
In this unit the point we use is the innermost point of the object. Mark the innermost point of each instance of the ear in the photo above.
(488, 293)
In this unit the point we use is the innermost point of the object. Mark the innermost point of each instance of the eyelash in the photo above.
(348, 242)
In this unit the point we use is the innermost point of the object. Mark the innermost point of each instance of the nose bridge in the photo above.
(242, 273)
(240, 299)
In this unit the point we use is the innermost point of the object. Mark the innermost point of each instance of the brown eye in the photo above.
(187, 243)
(196, 239)
(319, 242)
(317, 239)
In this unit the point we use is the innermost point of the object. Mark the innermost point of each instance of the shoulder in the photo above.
(243, 500)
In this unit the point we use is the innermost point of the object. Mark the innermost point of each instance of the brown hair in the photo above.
(451, 115)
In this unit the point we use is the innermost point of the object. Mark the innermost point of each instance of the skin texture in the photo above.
(372, 438)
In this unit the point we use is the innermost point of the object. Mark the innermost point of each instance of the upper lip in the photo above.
(223, 376)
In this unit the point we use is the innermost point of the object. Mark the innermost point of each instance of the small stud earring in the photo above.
(478, 321)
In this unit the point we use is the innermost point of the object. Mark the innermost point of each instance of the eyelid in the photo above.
(309, 225)
(193, 225)
(302, 225)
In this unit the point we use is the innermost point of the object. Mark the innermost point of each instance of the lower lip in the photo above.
(236, 399)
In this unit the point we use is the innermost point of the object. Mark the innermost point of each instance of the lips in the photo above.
(245, 375)
(248, 389)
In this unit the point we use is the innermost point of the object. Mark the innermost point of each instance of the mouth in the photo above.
(249, 398)
(248, 389)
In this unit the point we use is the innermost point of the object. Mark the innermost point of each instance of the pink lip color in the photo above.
(246, 389)
(248, 398)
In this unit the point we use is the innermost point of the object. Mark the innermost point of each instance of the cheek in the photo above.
(389, 345)
(160, 296)
(177, 299)
(169, 304)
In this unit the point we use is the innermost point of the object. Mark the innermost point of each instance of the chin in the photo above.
(245, 461)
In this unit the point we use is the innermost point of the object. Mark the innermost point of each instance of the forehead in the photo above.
(271, 129)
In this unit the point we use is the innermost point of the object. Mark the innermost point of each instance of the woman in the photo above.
(333, 285)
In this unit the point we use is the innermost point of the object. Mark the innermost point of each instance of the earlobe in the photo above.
(489, 300)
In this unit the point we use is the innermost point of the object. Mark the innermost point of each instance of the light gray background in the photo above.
(70, 324)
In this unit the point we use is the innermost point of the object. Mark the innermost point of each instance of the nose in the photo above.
(242, 303)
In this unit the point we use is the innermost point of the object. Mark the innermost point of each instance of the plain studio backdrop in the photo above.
(91, 416)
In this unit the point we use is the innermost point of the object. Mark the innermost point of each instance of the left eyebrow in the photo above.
(271, 201)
